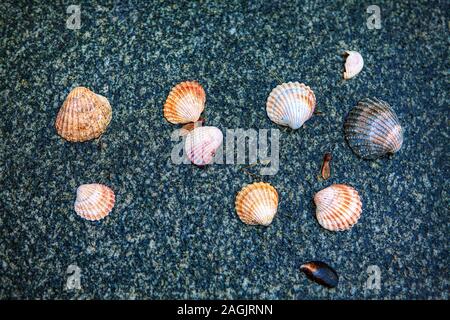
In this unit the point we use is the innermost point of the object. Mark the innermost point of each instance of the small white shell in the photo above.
(291, 104)
(202, 143)
(353, 64)
(94, 201)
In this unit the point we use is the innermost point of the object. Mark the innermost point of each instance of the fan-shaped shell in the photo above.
(373, 130)
(353, 64)
(83, 116)
(257, 203)
(185, 102)
(291, 104)
(202, 143)
(94, 201)
(338, 207)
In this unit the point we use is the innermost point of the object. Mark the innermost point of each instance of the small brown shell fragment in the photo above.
(257, 203)
(83, 116)
(326, 171)
(188, 127)
(338, 207)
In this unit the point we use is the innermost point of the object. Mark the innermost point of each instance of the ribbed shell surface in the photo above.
(291, 104)
(257, 203)
(202, 143)
(185, 103)
(373, 130)
(94, 201)
(338, 207)
(83, 116)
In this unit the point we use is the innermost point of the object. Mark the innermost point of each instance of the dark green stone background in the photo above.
(173, 232)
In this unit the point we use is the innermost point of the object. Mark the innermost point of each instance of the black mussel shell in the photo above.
(321, 273)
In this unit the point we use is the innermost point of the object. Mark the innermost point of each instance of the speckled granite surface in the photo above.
(174, 232)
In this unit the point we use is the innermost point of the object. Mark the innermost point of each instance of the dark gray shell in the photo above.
(321, 273)
(373, 130)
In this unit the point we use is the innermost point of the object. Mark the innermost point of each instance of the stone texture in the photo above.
(174, 232)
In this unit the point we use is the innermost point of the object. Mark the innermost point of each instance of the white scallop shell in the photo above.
(338, 207)
(291, 104)
(94, 201)
(353, 64)
(202, 143)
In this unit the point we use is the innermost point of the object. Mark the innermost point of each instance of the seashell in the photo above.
(338, 207)
(373, 130)
(94, 201)
(326, 170)
(291, 104)
(321, 273)
(185, 102)
(83, 116)
(353, 64)
(201, 144)
(257, 204)
(188, 127)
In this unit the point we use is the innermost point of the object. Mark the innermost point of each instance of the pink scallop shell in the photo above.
(202, 143)
(94, 201)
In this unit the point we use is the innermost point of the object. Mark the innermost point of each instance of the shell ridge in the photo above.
(338, 207)
(372, 129)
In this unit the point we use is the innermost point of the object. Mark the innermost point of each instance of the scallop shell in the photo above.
(353, 64)
(185, 102)
(373, 130)
(94, 201)
(202, 143)
(83, 116)
(338, 207)
(291, 104)
(257, 204)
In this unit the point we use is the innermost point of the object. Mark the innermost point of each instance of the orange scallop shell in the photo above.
(83, 116)
(94, 201)
(257, 203)
(338, 207)
(185, 102)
